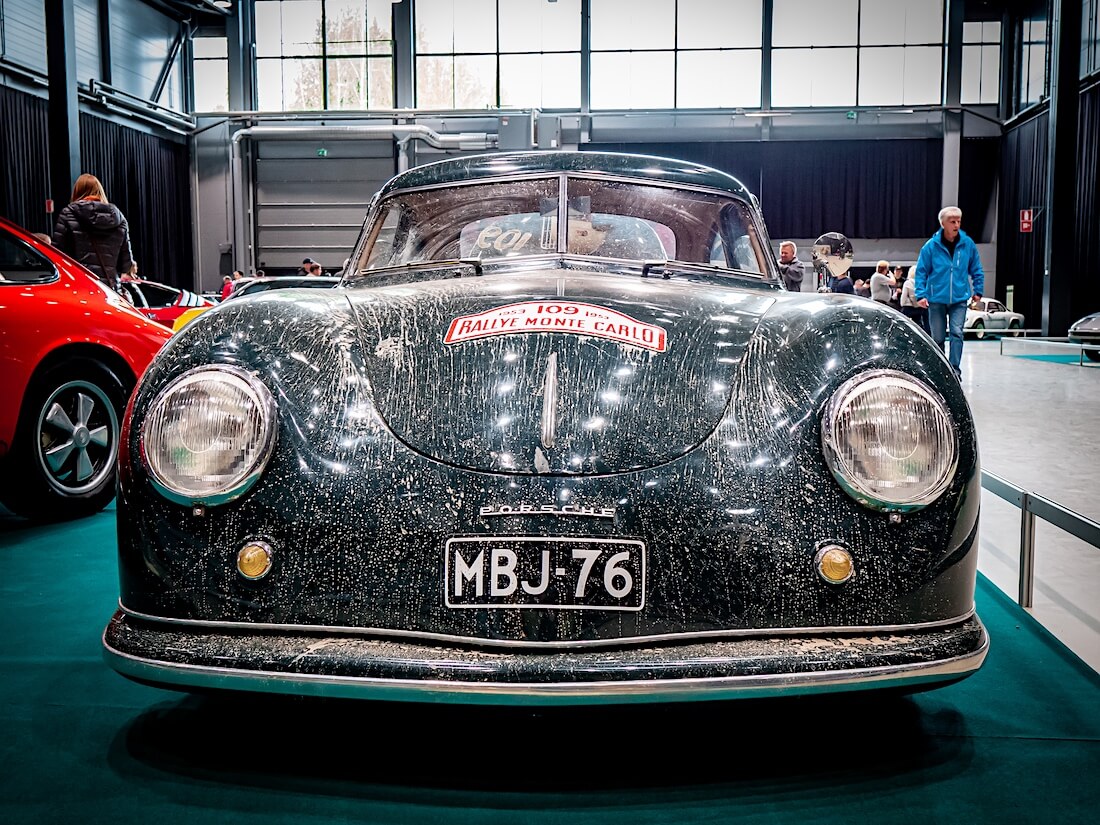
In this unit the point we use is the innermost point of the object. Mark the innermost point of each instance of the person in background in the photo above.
(304, 268)
(861, 288)
(844, 285)
(227, 286)
(792, 269)
(895, 293)
(882, 283)
(909, 308)
(315, 269)
(948, 277)
(94, 232)
(42, 236)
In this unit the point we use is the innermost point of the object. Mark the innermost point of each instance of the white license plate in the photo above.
(569, 573)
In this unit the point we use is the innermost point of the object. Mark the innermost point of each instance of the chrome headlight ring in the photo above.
(890, 441)
(208, 435)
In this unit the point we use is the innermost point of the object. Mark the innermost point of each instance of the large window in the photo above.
(664, 54)
(857, 52)
(324, 54)
(643, 54)
(981, 62)
(473, 54)
(211, 74)
(1090, 37)
(1032, 77)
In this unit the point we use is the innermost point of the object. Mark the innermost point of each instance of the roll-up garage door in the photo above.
(311, 196)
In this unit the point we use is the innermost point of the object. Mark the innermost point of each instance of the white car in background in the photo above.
(1087, 331)
(989, 315)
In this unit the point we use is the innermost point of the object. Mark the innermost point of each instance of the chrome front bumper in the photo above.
(197, 658)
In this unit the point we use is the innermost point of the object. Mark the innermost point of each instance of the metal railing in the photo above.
(990, 332)
(1032, 505)
(1055, 343)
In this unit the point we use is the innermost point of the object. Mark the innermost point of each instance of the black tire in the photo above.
(978, 329)
(1014, 328)
(1092, 354)
(62, 461)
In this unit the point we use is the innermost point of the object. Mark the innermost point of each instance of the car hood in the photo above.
(554, 372)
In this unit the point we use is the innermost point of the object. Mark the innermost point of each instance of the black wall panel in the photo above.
(148, 178)
(1023, 186)
(979, 168)
(863, 188)
(1086, 275)
(25, 180)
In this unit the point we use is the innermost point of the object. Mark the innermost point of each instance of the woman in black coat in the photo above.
(94, 232)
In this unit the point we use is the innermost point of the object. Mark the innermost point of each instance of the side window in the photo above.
(21, 263)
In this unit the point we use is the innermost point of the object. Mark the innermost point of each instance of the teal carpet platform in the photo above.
(1019, 742)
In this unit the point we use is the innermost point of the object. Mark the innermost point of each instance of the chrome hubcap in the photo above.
(77, 437)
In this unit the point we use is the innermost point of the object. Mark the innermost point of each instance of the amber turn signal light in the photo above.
(834, 564)
(254, 560)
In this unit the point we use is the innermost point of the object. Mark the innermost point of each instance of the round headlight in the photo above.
(208, 435)
(890, 441)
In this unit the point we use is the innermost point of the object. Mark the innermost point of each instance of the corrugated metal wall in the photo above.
(141, 39)
(86, 14)
(25, 33)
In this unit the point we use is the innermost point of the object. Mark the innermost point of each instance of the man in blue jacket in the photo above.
(948, 277)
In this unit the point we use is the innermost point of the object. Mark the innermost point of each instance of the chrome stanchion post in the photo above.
(1027, 552)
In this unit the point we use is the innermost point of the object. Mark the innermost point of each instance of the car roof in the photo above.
(648, 168)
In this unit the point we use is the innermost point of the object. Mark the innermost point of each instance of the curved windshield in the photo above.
(603, 219)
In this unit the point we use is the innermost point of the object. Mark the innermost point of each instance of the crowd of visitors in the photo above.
(934, 293)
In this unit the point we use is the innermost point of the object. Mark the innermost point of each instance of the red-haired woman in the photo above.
(93, 231)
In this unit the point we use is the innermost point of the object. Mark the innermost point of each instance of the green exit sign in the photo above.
(322, 153)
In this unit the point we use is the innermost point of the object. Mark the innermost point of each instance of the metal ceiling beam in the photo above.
(186, 9)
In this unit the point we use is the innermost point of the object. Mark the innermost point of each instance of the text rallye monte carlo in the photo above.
(560, 437)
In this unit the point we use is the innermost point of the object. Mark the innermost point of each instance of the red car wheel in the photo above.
(66, 446)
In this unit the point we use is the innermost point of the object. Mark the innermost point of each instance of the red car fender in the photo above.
(37, 320)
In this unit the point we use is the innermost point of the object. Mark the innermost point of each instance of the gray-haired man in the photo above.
(948, 277)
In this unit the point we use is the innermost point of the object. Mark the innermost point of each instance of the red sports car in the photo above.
(163, 303)
(71, 351)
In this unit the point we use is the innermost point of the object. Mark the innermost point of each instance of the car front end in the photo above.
(548, 479)
(1087, 331)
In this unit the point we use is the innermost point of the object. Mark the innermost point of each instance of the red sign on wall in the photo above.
(1025, 220)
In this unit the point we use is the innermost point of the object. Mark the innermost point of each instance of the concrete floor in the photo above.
(1037, 418)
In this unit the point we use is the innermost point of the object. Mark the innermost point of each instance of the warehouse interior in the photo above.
(250, 134)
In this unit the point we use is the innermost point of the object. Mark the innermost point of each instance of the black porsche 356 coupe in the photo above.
(559, 436)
